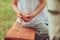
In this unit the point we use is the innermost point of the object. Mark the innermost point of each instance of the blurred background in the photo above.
(7, 17)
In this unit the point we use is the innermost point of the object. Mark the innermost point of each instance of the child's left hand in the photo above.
(28, 17)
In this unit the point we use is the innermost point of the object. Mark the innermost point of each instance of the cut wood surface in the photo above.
(17, 32)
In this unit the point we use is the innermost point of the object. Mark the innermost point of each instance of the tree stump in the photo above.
(17, 32)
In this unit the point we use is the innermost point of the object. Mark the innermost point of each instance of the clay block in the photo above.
(17, 32)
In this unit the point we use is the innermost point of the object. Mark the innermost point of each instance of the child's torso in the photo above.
(29, 6)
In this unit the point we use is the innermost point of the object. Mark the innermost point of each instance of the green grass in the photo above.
(7, 17)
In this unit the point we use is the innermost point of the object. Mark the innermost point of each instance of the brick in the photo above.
(17, 32)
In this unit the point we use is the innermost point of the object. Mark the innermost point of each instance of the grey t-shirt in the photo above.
(29, 6)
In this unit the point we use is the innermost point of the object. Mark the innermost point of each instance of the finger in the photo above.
(27, 20)
(20, 16)
(27, 15)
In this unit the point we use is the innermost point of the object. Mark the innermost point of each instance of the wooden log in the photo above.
(17, 32)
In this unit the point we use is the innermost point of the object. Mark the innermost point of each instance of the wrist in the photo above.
(34, 14)
(19, 12)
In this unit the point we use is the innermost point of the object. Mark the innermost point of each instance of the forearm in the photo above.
(15, 7)
(39, 9)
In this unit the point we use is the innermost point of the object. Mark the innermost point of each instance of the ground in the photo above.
(7, 17)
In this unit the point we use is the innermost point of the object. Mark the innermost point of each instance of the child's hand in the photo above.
(28, 17)
(20, 15)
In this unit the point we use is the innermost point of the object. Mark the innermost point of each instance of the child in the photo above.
(32, 13)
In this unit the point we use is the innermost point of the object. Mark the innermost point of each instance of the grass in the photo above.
(7, 17)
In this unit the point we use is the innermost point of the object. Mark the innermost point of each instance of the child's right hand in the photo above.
(20, 15)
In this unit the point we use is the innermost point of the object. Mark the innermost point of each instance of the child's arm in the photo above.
(15, 8)
(40, 8)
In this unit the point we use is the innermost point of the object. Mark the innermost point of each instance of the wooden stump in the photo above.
(17, 32)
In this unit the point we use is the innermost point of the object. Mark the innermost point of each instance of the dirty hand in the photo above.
(28, 17)
(20, 15)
